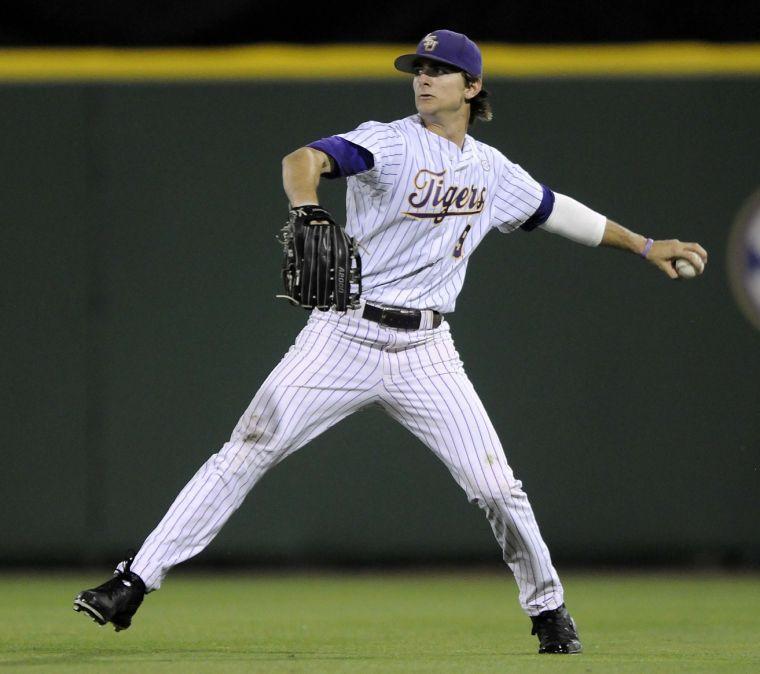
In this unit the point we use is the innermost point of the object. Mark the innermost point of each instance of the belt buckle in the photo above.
(399, 318)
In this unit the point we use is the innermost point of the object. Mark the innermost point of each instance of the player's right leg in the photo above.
(328, 373)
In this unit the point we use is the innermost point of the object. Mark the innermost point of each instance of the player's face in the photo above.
(440, 88)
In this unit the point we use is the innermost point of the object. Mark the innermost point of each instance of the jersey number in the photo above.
(458, 247)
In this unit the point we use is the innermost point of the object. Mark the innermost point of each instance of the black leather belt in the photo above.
(406, 319)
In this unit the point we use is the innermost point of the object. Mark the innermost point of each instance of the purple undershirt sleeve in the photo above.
(542, 212)
(348, 158)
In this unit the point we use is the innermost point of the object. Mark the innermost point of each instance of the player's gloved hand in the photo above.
(320, 261)
(663, 254)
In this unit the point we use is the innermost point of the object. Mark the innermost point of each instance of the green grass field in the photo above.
(353, 622)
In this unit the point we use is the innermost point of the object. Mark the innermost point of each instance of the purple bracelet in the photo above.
(647, 248)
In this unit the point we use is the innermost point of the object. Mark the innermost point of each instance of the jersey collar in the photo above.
(445, 144)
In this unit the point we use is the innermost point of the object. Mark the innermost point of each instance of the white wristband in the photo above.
(574, 221)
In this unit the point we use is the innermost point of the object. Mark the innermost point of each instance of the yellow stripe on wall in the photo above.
(358, 62)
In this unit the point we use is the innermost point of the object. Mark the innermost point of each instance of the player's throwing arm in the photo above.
(676, 258)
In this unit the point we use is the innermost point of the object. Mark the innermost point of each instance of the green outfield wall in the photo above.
(139, 268)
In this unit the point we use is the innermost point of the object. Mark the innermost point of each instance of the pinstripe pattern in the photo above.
(418, 215)
(407, 256)
(445, 412)
(339, 364)
(320, 380)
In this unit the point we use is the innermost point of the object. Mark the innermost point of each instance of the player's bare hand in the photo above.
(664, 254)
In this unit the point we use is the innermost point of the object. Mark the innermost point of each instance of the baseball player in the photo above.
(421, 195)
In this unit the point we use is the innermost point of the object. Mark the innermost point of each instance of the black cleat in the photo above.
(556, 632)
(114, 601)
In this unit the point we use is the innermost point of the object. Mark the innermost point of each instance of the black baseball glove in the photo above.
(320, 263)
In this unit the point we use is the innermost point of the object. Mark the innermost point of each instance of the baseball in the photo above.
(685, 268)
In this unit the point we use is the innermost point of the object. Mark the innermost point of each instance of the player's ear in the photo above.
(472, 87)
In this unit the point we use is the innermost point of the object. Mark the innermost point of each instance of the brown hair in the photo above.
(480, 106)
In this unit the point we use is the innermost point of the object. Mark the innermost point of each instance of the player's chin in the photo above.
(425, 103)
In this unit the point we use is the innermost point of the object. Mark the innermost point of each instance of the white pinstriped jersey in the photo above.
(418, 213)
(423, 208)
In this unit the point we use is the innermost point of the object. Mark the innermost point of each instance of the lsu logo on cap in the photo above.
(744, 259)
(430, 42)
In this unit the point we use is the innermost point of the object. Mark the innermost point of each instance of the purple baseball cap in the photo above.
(448, 47)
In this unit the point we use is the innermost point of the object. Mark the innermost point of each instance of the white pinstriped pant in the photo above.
(339, 364)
